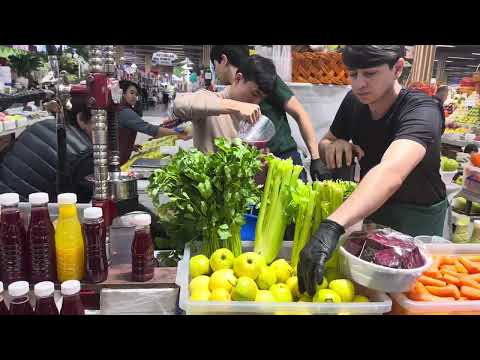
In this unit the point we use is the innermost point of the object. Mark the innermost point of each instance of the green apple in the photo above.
(305, 298)
(222, 279)
(247, 264)
(282, 269)
(200, 295)
(266, 278)
(344, 288)
(261, 261)
(219, 295)
(199, 283)
(360, 298)
(323, 285)
(264, 296)
(281, 293)
(327, 296)
(221, 259)
(292, 284)
(199, 265)
(245, 290)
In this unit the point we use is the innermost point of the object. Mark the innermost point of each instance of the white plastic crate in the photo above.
(404, 306)
(380, 303)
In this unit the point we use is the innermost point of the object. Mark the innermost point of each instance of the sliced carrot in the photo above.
(462, 298)
(466, 281)
(448, 267)
(460, 268)
(475, 258)
(471, 293)
(419, 288)
(427, 297)
(475, 277)
(472, 268)
(427, 280)
(447, 260)
(449, 279)
(444, 291)
(453, 273)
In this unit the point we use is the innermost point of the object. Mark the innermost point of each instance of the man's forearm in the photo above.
(165, 132)
(380, 183)
(308, 134)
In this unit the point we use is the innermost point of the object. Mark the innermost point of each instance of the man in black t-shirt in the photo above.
(395, 133)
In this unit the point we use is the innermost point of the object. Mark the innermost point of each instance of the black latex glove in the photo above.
(319, 171)
(315, 254)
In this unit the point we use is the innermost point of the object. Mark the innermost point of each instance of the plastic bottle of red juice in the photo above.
(12, 240)
(142, 249)
(94, 233)
(41, 260)
(20, 303)
(3, 306)
(72, 304)
(45, 301)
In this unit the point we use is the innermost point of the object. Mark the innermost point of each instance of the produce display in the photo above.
(209, 193)
(460, 203)
(450, 278)
(385, 248)
(458, 130)
(447, 164)
(319, 68)
(247, 277)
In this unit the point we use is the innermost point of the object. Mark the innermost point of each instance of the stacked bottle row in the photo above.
(45, 302)
(42, 253)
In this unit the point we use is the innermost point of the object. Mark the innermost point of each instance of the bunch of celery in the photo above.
(312, 204)
(274, 216)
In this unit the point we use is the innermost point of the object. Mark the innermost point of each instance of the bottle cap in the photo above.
(67, 198)
(142, 220)
(44, 289)
(38, 198)
(18, 288)
(92, 213)
(9, 199)
(70, 287)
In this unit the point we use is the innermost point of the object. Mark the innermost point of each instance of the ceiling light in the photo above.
(475, 53)
(461, 58)
(445, 46)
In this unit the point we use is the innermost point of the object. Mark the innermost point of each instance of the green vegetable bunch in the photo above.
(209, 193)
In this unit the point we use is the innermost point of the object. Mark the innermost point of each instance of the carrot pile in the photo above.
(450, 278)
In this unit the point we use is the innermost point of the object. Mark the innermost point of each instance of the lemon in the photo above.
(199, 283)
(200, 295)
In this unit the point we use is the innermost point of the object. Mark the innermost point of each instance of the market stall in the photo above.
(214, 254)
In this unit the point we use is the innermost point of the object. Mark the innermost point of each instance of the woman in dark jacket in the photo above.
(129, 122)
(31, 164)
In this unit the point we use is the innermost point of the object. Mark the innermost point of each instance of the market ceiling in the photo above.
(462, 60)
(137, 53)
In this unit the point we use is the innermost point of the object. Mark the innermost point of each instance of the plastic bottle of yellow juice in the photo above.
(69, 240)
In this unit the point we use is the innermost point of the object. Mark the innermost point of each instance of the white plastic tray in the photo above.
(406, 306)
(380, 302)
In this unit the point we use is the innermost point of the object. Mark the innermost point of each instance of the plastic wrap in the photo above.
(386, 248)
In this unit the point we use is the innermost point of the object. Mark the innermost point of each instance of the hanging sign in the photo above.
(165, 59)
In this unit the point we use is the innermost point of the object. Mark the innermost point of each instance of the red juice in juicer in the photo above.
(20, 303)
(3, 306)
(45, 304)
(41, 257)
(142, 249)
(72, 303)
(94, 233)
(12, 240)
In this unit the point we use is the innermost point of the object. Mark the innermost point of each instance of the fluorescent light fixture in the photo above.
(475, 53)
(461, 58)
(448, 61)
(446, 46)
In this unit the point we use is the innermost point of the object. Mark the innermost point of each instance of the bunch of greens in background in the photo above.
(209, 194)
(24, 63)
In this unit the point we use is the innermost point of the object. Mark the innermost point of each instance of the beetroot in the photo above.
(384, 248)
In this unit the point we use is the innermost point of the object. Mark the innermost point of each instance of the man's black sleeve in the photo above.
(82, 187)
(421, 123)
(340, 127)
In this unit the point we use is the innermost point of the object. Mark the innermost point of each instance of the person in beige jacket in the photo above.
(216, 115)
